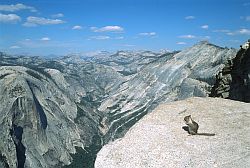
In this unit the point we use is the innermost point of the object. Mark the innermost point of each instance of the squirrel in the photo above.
(193, 127)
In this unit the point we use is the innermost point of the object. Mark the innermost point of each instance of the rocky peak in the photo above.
(175, 76)
(246, 45)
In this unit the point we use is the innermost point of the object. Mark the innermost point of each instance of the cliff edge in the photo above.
(159, 141)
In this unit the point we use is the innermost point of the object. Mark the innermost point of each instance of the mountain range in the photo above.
(60, 112)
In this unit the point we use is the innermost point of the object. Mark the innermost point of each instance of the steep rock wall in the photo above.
(233, 81)
(38, 120)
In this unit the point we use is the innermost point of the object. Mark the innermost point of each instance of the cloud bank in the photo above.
(107, 29)
(17, 7)
(189, 17)
(147, 34)
(77, 27)
(35, 21)
(189, 36)
(9, 18)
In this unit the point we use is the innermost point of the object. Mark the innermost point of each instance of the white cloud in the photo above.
(247, 18)
(99, 37)
(45, 39)
(9, 18)
(52, 43)
(35, 21)
(206, 37)
(105, 38)
(14, 47)
(147, 34)
(204, 26)
(93, 28)
(27, 24)
(189, 36)
(189, 17)
(17, 7)
(127, 45)
(221, 31)
(107, 29)
(58, 15)
(246, 4)
(230, 33)
(244, 31)
(234, 41)
(181, 43)
(119, 38)
(77, 27)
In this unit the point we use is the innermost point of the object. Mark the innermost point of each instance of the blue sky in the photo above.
(43, 27)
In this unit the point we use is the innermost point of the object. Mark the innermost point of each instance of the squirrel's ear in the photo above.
(189, 116)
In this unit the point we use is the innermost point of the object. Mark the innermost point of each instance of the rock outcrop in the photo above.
(233, 82)
(158, 140)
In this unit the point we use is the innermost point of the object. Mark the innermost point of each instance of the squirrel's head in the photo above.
(188, 119)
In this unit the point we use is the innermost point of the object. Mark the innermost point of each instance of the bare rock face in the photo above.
(158, 140)
(233, 81)
(37, 120)
(177, 76)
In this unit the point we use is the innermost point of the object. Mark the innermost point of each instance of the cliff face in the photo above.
(233, 82)
(38, 120)
(159, 140)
